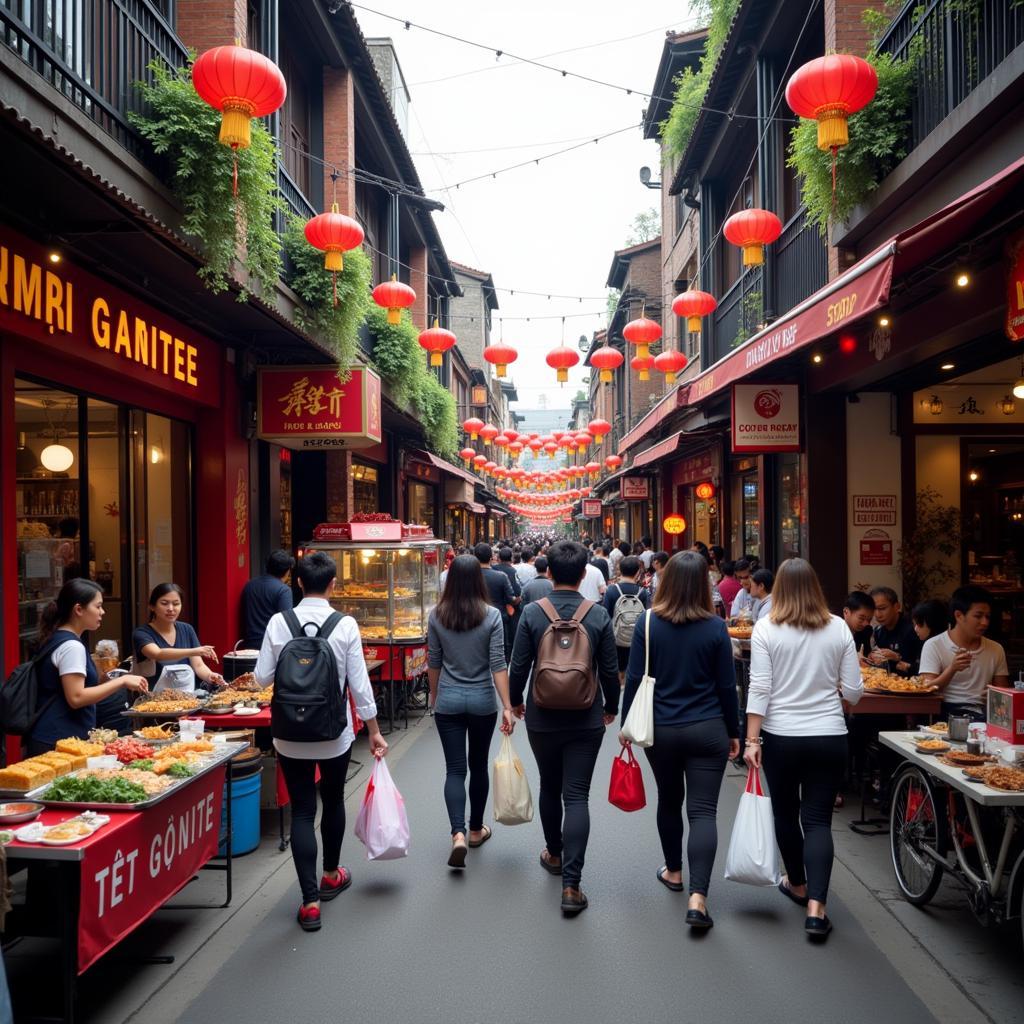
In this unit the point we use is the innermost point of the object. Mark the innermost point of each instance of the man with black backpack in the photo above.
(566, 650)
(625, 602)
(313, 655)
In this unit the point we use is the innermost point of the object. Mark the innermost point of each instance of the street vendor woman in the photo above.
(164, 643)
(962, 661)
(69, 686)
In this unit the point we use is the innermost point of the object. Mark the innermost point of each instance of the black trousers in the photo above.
(300, 777)
(804, 774)
(688, 762)
(454, 731)
(566, 761)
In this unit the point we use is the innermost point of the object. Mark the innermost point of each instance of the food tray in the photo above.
(920, 691)
(132, 713)
(217, 758)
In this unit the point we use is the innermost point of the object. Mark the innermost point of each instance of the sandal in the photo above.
(480, 842)
(545, 863)
(457, 858)
(674, 886)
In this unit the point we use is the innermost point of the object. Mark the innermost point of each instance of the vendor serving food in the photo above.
(69, 686)
(165, 643)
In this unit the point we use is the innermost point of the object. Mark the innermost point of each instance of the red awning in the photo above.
(659, 450)
(668, 405)
(446, 467)
(480, 510)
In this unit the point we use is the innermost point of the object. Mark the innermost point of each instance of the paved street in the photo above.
(412, 941)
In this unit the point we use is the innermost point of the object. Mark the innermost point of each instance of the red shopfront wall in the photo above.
(193, 382)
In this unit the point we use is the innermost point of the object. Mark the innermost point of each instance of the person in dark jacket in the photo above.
(565, 743)
(696, 720)
(506, 568)
(499, 591)
(264, 596)
(895, 642)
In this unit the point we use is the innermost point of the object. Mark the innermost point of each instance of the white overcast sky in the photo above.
(547, 227)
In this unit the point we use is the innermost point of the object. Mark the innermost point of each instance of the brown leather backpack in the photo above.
(563, 670)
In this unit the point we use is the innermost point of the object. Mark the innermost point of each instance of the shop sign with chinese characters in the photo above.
(636, 488)
(876, 548)
(874, 510)
(765, 418)
(968, 404)
(310, 408)
(592, 508)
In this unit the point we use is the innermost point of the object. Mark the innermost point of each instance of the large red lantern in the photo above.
(752, 230)
(830, 89)
(473, 426)
(561, 359)
(488, 433)
(333, 233)
(436, 340)
(467, 455)
(599, 428)
(694, 305)
(612, 461)
(501, 355)
(394, 296)
(642, 364)
(670, 363)
(480, 461)
(642, 333)
(607, 359)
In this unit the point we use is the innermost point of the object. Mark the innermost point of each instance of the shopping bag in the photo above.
(626, 788)
(382, 825)
(752, 858)
(513, 804)
(639, 725)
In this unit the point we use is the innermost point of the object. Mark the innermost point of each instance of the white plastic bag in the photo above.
(639, 725)
(513, 804)
(753, 858)
(382, 824)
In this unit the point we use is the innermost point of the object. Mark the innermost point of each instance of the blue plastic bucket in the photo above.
(245, 815)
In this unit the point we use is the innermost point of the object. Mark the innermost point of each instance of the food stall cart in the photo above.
(389, 577)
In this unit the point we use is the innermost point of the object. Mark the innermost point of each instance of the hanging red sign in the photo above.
(592, 508)
(876, 548)
(1015, 289)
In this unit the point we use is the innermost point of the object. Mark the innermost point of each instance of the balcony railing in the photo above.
(738, 314)
(93, 52)
(956, 46)
(295, 200)
(801, 264)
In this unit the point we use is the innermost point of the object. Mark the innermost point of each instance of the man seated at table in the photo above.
(761, 591)
(743, 601)
(962, 661)
(894, 644)
(858, 611)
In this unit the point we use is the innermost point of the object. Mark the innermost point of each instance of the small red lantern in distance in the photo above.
(501, 355)
(847, 344)
(613, 461)
(488, 433)
(830, 89)
(473, 426)
(467, 455)
(394, 296)
(607, 359)
(516, 448)
(501, 441)
(584, 440)
(694, 305)
(560, 359)
(479, 460)
(670, 363)
(535, 444)
(705, 491)
(752, 230)
(436, 340)
(512, 435)
(642, 333)
(642, 364)
(334, 234)
(599, 428)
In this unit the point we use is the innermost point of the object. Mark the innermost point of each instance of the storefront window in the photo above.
(746, 520)
(789, 541)
(420, 506)
(365, 488)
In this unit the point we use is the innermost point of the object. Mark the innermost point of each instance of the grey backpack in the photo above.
(625, 616)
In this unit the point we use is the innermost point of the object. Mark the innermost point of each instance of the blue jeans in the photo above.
(454, 732)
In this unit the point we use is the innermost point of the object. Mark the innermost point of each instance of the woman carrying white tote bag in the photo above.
(639, 725)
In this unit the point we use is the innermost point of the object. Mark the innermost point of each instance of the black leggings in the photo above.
(566, 761)
(454, 731)
(688, 762)
(804, 774)
(300, 777)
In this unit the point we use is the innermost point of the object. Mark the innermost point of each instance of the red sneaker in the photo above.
(329, 889)
(309, 918)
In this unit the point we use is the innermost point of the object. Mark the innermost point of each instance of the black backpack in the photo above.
(308, 705)
(19, 696)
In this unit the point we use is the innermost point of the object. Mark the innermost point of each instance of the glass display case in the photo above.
(389, 588)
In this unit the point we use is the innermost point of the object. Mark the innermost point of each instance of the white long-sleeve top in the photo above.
(799, 678)
(347, 646)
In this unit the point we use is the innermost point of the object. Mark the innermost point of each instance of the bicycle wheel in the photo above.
(916, 822)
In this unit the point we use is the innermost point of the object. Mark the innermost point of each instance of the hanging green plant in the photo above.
(178, 124)
(336, 325)
(436, 408)
(878, 142)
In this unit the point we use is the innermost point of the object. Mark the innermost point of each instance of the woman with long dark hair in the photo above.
(696, 720)
(69, 685)
(164, 640)
(466, 664)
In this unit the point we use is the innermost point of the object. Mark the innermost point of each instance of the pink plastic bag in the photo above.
(382, 824)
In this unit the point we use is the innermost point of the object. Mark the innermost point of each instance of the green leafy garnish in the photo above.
(89, 789)
(144, 764)
(180, 770)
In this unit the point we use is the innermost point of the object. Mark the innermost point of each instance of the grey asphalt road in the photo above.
(413, 941)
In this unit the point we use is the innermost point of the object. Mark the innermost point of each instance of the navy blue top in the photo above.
(693, 670)
(185, 637)
(262, 597)
(904, 641)
(60, 720)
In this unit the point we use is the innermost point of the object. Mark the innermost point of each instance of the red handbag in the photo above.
(626, 789)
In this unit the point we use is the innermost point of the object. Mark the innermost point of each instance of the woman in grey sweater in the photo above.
(466, 664)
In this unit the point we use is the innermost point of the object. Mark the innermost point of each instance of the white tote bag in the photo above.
(639, 725)
(513, 804)
(753, 858)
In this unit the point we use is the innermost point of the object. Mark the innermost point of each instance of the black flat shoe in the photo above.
(698, 920)
(551, 869)
(574, 901)
(789, 894)
(818, 927)
(674, 886)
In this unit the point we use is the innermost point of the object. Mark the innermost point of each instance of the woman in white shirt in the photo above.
(803, 664)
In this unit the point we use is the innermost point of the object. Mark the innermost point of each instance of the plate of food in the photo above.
(961, 759)
(16, 812)
(242, 709)
(936, 729)
(1009, 780)
(935, 746)
(163, 733)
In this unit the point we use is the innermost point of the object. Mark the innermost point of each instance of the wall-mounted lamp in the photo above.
(935, 406)
(1007, 406)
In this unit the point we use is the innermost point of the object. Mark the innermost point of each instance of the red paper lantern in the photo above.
(613, 461)
(670, 363)
(488, 433)
(516, 448)
(560, 359)
(490, 466)
(599, 428)
(479, 460)
(535, 444)
(642, 364)
(752, 230)
(501, 441)
(473, 426)
(394, 296)
(334, 234)
(501, 355)
(607, 359)
(584, 440)
(642, 333)
(705, 491)
(512, 435)
(467, 455)
(830, 89)
(551, 447)
(694, 305)
(593, 468)
(436, 340)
